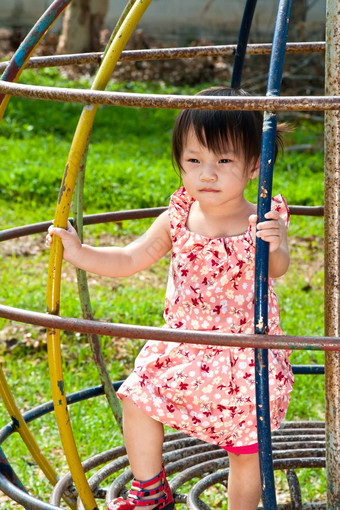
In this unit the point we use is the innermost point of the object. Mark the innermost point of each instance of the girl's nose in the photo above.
(208, 174)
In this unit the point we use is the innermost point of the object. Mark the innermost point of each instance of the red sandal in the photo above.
(139, 490)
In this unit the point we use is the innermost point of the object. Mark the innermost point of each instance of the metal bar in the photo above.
(242, 43)
(262, 258)
(332, 255)
(114, 216)
(78, 147)
(7, 471)
(308, 369)
(96, 97)
(24, 431)
(309, 343)
(28, 45)
(23, 498)
(85, 301)
(167, 54)
(48, 407)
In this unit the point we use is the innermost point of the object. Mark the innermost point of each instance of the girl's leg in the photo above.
(244, 483)
(144, 440)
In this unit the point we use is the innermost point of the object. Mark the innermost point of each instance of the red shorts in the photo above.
(250, 448)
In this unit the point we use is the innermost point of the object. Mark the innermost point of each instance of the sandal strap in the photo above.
(139, 490)
(148, 502)
(143, 485)
(142, 494)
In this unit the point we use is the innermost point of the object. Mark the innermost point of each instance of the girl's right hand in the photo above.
(69, 238)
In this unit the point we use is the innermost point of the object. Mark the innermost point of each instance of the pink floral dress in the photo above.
(209, 391)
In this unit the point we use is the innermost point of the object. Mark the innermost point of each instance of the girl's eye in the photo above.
(193, 160)
(225, 160)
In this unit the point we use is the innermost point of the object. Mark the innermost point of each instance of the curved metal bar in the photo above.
(167, 54)
(95, 97)
(114, 216)
(310, 343)
(24, 499)
(83, 288)
(28, 45)
(24, 431)
(262, 258)
(78, 147)
(242, 43)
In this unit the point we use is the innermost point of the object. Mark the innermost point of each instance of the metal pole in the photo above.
(242, 43)
(262, 258)
(332, 255)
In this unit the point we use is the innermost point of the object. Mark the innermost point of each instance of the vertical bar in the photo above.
(332, 255)
(242, 42)
(85, 301)
(262, 258)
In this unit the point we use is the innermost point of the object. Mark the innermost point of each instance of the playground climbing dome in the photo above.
(296, 444)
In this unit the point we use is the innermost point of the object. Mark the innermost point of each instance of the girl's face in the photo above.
(213, 178)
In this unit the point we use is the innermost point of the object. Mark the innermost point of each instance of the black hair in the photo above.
(219, 130)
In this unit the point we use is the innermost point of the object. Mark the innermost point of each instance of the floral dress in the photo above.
(209, 391)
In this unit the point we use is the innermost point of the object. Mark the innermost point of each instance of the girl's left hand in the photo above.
(272, 231)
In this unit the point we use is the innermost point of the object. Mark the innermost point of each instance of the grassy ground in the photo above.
(128, 167)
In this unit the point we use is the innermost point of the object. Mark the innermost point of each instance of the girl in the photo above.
(204, 391)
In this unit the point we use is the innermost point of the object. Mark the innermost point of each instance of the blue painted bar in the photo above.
(242, 43)
(262, 257)
(32, 40)
(7, 471)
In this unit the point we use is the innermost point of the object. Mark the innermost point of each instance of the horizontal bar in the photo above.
(134, 214)
(308, 369)
(167, 54)
(170, 335)
(94, 97)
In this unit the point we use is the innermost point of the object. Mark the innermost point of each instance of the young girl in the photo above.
(204, 391)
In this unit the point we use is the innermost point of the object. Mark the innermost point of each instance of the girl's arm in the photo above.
(116, 261)
(275, 233)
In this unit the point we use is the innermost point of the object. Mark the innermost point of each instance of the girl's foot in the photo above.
(151, 494)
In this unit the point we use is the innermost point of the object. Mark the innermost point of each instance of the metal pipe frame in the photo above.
(330, 104)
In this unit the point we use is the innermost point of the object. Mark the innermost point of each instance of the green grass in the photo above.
(128, 167)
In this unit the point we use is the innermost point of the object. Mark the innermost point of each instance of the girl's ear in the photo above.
(254, 172)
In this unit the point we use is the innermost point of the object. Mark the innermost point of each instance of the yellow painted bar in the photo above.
(26, 435)
(24, 431)
(77, 149)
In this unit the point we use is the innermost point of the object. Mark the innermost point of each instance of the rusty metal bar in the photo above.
(332, 255)
(167, 54)
(96, 97)
(171, 335)
(114, 216)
